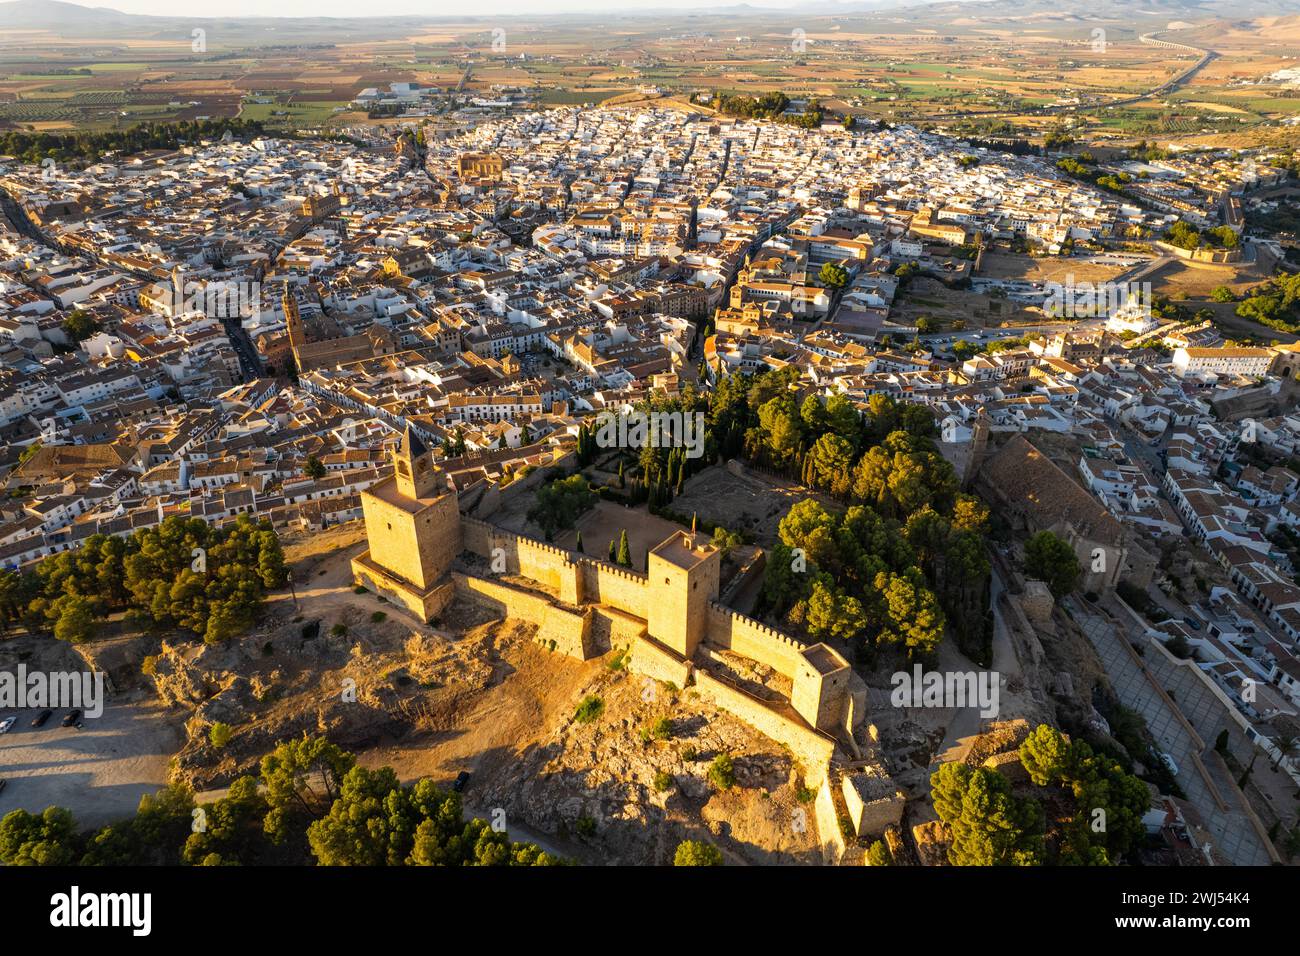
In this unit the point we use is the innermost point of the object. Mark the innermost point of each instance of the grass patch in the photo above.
(589, 710)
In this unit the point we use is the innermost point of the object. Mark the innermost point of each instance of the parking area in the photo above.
(99, 772)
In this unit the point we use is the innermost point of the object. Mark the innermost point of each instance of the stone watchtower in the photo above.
(681, 580)
(820, 687)
(413, 529)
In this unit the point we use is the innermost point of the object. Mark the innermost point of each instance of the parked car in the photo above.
(1168, 761)
(40, 719)
(7, 723)
(71, 718)
(1191, 622)
(462, 781)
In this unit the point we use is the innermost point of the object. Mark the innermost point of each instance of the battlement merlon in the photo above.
(728, 616)
(613, 570)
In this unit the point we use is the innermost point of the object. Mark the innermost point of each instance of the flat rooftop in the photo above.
(824, 659)
(678, 549)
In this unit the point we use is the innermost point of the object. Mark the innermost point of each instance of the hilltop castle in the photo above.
(668, 620)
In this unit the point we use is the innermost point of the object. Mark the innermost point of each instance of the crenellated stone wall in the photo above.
(750, 638)
(527, 557)
(569, 629)
(651, 659)
(812, 749)
(605, 583)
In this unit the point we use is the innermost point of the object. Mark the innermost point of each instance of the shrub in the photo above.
(589, 710)
(149, 665)
(697, 853)
(219, 735)
(722, 772)
(689, 754)
(360, 589)
(585, 826)
(878, 855)
(338, 630)
(663, 781)
(661, 729)
(378, 617)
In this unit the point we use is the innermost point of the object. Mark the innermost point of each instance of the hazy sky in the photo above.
(343, 8)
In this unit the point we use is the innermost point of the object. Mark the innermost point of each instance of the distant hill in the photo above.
(1141, 12)
(52, 14)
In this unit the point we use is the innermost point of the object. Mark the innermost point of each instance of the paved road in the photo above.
(249, 361)
(1017, 331)
(1232, 833)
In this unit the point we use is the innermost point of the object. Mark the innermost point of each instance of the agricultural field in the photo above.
(992, 77)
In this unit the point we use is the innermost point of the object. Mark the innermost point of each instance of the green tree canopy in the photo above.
(1051, 559)
(990, 826)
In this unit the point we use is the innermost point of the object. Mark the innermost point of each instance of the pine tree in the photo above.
(578, 544)
(624, 552)
(622, 482)
(612, 551)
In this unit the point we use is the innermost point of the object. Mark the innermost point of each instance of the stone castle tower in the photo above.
(413, 529)
(682, 576)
